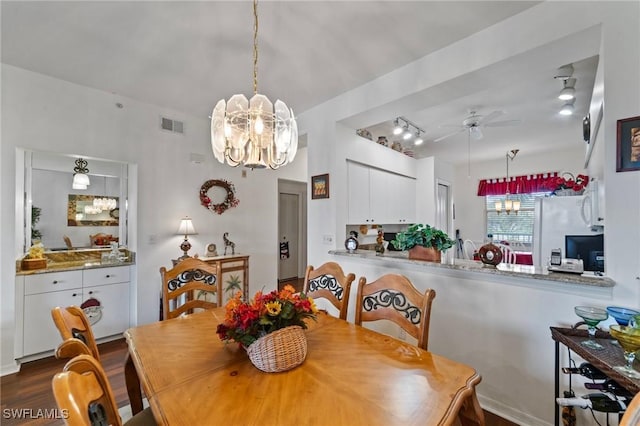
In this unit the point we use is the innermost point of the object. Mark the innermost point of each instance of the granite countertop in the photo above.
(71, 260)
(520, 271)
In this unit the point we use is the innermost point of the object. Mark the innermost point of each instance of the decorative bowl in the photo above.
(629, 338)
(621, 315)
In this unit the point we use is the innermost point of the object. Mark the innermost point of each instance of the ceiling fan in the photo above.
(474, 123)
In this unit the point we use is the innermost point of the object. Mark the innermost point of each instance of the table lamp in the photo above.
(186, 228)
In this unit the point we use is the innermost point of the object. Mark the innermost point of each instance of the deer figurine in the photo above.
(228, 243)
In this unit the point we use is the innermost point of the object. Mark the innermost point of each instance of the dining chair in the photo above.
(71, 348)
(83, 391)
(329, 282)
(469, 249)
(67, 242)
(631, 416)
(189, 285)
(393, 297)
(73, 323)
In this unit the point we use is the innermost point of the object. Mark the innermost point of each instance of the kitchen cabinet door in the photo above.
(40, 334)
(402, 196)
(108, 310)
(358, 191)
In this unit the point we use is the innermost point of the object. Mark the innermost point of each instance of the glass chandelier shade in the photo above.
(256, 133)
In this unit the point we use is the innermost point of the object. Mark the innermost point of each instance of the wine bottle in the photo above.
(612, 386)
(587, 370)
(596, 401)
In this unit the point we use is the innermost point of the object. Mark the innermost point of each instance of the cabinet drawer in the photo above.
(52, 281)
(100, 276)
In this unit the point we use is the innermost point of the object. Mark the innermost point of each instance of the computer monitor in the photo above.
(589, 248)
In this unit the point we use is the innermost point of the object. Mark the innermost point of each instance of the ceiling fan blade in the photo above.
(503, 123)
(491, 116)
(449, 135)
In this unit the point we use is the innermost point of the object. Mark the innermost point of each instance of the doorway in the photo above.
(292, 233)
(443, 214)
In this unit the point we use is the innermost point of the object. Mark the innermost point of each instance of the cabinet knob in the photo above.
(91, 292)
(55, 281)
(108, 276)
(74, 294)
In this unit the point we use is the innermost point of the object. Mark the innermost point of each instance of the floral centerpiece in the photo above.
(568, 185)
(270, 327)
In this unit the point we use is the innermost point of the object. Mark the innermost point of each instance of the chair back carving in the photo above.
(73, 323)
(393, 297)
(71, 348)
(83, 390)
(191, 284)
(329, 282)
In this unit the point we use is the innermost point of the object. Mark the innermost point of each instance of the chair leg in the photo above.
(133, 385)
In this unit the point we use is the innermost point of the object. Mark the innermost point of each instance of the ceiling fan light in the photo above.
(475, 132)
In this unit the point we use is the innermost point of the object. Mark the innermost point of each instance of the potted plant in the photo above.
(424, 242)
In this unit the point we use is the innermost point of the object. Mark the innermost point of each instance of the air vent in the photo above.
(174, 126)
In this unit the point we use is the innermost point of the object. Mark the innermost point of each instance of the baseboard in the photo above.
(11, 368)
(509, 413)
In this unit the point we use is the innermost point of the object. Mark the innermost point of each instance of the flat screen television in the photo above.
(589, 248)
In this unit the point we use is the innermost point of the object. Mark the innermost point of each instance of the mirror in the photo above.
(62, 217)
(92, 210)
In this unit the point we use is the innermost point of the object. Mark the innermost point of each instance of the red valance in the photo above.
(525, 184)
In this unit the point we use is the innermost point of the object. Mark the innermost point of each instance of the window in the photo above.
(512, 227)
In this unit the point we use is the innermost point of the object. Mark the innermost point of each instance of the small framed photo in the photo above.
(628, 145)
(320, 186)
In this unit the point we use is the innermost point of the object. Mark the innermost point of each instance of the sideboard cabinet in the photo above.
(103, 294)
(232, 275)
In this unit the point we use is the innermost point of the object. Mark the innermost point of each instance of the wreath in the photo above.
(229, 201)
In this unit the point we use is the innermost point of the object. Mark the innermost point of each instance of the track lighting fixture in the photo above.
(397, 129)
(402, 126)
(418, 140)
(568, 92)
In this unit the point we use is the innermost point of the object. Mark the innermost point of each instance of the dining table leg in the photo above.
(471, 413)
(133, 385)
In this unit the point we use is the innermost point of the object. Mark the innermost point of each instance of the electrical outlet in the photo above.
(327, 239)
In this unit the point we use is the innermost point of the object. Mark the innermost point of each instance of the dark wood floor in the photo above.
(31, 387)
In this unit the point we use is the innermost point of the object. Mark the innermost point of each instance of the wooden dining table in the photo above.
(351, 375)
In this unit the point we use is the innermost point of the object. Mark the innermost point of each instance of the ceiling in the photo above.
(188, 55)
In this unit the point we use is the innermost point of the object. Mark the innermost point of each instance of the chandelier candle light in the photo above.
(252, 132)
(509, 204)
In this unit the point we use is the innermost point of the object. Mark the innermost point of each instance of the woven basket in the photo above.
(279, 351)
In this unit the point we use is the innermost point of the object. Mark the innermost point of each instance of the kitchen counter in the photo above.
(71, 260)
(401, 258)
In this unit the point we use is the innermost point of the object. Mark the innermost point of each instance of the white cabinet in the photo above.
(103, 293)
(377, 196)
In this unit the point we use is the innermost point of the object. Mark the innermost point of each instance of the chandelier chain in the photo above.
(255, 47)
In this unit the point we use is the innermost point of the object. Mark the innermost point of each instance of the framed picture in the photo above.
(628, 145)
(320, 186)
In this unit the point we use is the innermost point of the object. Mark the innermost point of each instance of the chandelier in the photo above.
(255, 133)
(509, 204)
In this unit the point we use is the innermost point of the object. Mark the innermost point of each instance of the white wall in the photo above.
(502, 328)
(43, 113)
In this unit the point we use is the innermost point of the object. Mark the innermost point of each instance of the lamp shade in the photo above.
(186, 227)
